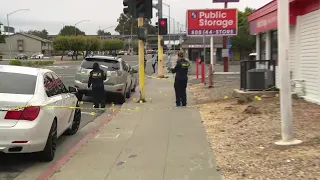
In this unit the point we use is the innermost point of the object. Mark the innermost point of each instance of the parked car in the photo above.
(37, 56)
(121, 78)
(70, 53)
(35, 127)
(21, 56)
(122, 53)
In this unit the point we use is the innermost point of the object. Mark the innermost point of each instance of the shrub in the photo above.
(16, 62)
(35, 63)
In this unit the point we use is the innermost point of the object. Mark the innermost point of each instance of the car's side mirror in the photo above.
(73, 89)
(134, 70)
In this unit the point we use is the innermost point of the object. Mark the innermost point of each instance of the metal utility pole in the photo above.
(169, 28)
(75, 28)
(204, 48)
(225, 41)
(160, 48)
(130, 41)
(285, 88)
(8, 28)
(141, 63)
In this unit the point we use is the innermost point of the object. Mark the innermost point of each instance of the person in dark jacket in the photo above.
(181, 79)
(96, 79)
(154, 63)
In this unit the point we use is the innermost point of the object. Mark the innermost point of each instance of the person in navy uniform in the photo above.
(181, 79)
(96, 79)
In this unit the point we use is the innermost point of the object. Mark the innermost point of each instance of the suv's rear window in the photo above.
(104, 64)
(15, 83)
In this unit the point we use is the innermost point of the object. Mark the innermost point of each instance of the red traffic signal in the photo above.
(163, 29)
(162, 23)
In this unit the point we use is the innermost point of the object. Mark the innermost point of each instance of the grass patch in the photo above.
(31, 63)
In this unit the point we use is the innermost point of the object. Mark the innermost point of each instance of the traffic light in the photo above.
(163, 26)
(157, 26)
(144, 8)
(129, 7)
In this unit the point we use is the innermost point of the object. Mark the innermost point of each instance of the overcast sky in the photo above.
(51, 15)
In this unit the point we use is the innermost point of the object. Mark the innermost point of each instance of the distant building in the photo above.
(4, 29)
(193, 47)
(25, 43)
(304, 50)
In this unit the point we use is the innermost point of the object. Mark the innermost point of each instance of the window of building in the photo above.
(274, 45)
(263, 46)
(20, 42)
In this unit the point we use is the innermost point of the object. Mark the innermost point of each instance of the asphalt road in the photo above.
(25, 167)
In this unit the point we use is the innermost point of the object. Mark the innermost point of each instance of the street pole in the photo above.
(285, 89)
(9, 44)
(100, 32)
(225, 41)
(204, 49)
(8, 29)
(174, 36)
(141, 63)
(75, 28)
(130, 37)
(160, 48)
(169, 27)
(211, 51)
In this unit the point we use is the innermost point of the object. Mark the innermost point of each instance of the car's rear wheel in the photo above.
(122, 97)
(75, 123)
(134, 87)
(49, 151)
(79, 95)
(128, 95)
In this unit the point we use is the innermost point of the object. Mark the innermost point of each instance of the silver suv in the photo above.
(121, 78)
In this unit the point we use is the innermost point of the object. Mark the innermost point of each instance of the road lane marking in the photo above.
(87, 113)
(107, 136)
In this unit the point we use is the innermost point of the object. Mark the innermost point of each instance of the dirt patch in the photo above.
(243, 135)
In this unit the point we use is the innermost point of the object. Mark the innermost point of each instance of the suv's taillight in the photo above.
(28, 113)
(114, 73)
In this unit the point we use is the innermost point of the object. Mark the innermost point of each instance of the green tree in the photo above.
(61, 43)
(71, 31)
(2, 38)
(135, 46)
(244, 42)
(127, 23)
(43, 33)
(103, 33)
(112, 45)
(78, 43)
(92, 44)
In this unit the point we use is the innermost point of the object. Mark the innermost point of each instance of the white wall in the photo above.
(292, 57)
(309, 59)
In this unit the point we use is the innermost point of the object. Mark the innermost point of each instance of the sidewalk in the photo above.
(161, 143)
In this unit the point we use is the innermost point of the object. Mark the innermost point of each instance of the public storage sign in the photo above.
(212, 22)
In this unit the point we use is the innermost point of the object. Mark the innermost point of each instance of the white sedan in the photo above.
(36, 126)
(37, 56)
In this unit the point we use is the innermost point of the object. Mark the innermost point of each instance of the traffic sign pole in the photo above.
(141, 64)
(225, 41)
(160, 48)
